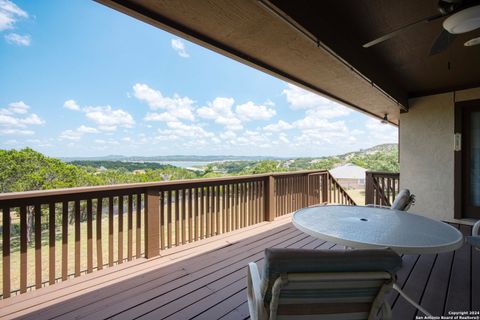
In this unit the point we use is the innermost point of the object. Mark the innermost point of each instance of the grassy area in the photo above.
(15, 249)
(358, 195)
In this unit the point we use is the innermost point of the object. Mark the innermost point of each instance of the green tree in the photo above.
(265, 166)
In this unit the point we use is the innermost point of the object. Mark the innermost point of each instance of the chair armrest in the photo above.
(474, 241)
(409, 300)
(254, 294)
(476, 229)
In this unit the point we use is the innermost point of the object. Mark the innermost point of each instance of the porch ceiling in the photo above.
(377, 80)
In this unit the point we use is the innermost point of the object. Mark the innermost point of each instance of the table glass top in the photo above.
(366, 227)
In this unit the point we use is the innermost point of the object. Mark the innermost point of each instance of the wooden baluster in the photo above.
(285, 195)
(254, 202)
(64, 240)
(77, 238)
(197, 215)
(243, 204)
(213, 203)
(6, 251)
(208, 212)
(138, 226)
(248, 209)
(217, 210)
(202, 213)
(224, 209)
(184, 217)
(169, 218)
(383, 188)
(110, 231)
(130, 227)
(191, 227)
(388, 189)
(297, 193)
(51, 243)
(280, 197)
(38, 245)
(177, 217)
(23, 249)
(89, 237)
(120, 229)
(99, 234)
(276, 193)
(228, 212)
(236, 206)
(162, 219)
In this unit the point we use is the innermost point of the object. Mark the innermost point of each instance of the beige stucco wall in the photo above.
(426, 152)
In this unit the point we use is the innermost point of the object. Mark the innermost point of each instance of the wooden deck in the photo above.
(206, 280)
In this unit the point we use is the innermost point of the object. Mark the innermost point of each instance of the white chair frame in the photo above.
(255, 296)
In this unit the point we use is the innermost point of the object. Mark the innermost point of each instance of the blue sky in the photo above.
(80, 79)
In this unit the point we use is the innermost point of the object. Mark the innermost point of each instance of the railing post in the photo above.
(269, 199)
(325, 188)
(369, 188)
(152, 223)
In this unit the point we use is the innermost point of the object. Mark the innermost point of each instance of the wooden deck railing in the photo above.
(381, 187)
(50, 236)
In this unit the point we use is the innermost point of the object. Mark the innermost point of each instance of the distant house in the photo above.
(349, 175)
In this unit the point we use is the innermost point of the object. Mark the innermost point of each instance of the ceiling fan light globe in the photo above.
(463, 21)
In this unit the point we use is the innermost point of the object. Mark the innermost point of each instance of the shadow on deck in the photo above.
(206, 280)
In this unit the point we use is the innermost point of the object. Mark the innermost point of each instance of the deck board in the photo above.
(206, 280)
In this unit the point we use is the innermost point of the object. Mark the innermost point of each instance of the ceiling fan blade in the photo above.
(400, 30)
(442, 42)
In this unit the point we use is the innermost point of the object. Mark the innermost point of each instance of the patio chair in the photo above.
(474, 239)
(323, 284)
(403, 201)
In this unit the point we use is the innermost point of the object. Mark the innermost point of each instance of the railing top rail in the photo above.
(142, 186)
(383, 173)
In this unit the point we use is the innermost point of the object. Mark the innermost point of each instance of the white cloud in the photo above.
(283, 138)
(18, 132)
(220, 110)
(180, 129)
(279, 126)
(379, 133)
(109, 119)
(70, 135)
(106, 142)
(72, 105)
(9, 14)
(15, 115)
(164, 117)
(177, 107)
(179, 47)
(19, 40)
(78, 133)
(18, 107)
(85, 129)
(251, 111)
(299, 98)
(311, 122)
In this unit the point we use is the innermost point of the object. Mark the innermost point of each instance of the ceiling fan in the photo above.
(461, 16)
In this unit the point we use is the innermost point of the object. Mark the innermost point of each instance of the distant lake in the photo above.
(185, 164)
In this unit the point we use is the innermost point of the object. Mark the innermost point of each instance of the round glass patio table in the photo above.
(370, 227)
